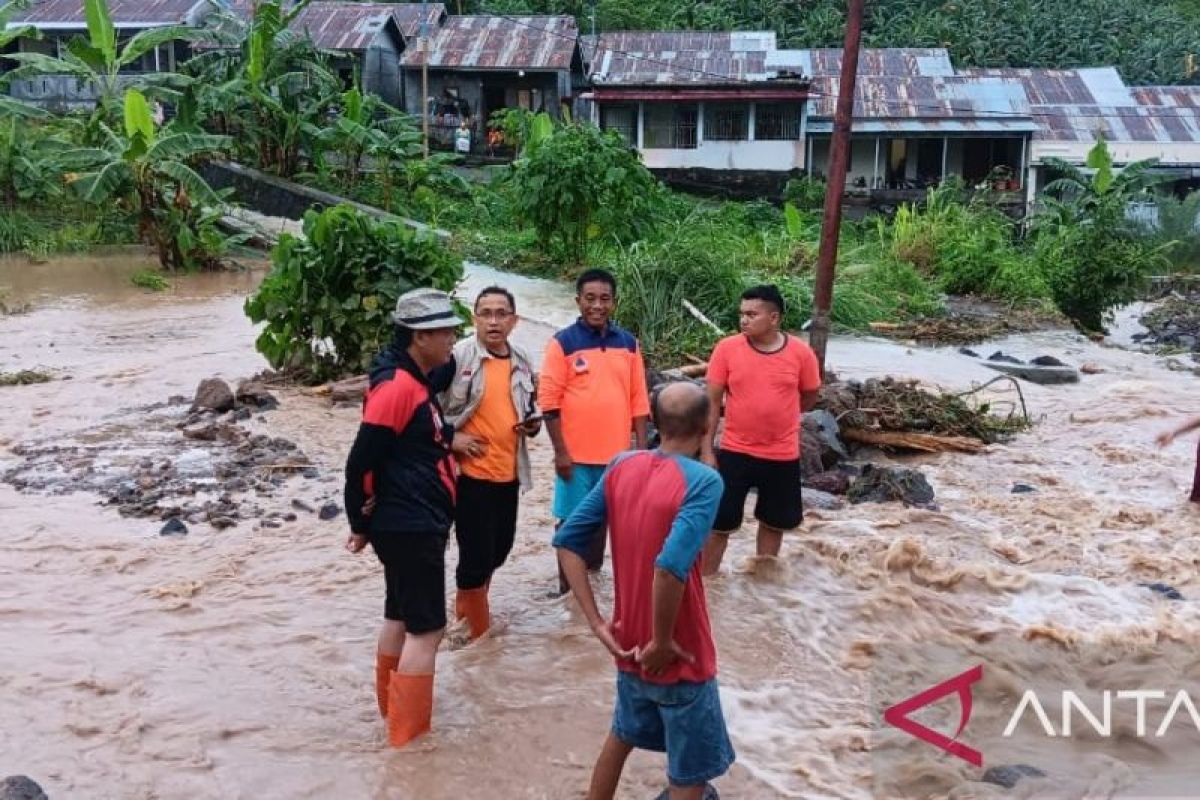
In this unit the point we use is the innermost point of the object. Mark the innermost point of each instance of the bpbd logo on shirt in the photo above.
(581, 365)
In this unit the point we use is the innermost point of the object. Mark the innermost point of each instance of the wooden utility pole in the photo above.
(425, 79)
(835, 187)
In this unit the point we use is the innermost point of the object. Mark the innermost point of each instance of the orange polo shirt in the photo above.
(493, 422)
(762, 395)
(597, 383)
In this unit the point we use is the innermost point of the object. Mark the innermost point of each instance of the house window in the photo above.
(726, 122)
(777, 122)
(622, 119)
(670, 126)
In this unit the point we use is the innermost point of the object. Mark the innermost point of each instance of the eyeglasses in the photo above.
(498, 315)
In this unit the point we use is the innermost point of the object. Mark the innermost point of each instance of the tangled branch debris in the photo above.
(967, 328)
(891, 406)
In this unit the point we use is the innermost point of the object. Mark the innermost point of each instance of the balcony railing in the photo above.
(63, 89)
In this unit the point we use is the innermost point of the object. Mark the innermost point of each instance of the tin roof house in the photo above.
(704, 109)
(477, 65)
(59, 21)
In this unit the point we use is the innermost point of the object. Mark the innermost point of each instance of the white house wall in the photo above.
(1168, 153)
(742, 155)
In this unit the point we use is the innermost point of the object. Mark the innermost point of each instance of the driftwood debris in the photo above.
(908, 440)
(349, 390)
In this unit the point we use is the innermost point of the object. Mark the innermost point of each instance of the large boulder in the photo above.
(886, 484)
(214, 394)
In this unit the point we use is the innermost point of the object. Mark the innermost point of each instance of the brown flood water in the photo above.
(239, 663)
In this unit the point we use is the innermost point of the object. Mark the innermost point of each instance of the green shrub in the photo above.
(968, 248)
(805, 193)
(328, 299)
(149, 279)
(579, 185)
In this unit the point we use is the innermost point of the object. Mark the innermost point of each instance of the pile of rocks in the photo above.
(208, 467)
(1175, 323)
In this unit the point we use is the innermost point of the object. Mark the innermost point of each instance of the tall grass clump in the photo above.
(965, 247)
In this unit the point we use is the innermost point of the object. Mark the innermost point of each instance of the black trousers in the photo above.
(485, 526)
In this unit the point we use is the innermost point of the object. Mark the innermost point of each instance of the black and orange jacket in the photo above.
(401, 455)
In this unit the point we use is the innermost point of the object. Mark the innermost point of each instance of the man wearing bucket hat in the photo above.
(402, 469)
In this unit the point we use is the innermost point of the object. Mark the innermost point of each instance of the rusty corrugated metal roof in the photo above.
(669, 58)
(344, 26)
(125, 13)
(494, 42)
(924, 97)
(351, 26)
(907, 62)
(1077, 105)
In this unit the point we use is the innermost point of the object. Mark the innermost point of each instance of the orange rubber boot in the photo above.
(385, 665)
(474, 605)
(410, 706)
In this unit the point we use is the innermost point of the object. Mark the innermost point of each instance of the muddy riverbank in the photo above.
(237, 662)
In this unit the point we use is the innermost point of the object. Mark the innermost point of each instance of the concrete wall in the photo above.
(1185, 153)
(750, 156)
(277, 197)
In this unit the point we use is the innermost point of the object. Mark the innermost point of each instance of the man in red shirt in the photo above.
(659, 506)
(766, 378)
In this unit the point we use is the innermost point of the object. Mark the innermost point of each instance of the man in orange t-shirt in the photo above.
(490, 402)
(766, 378)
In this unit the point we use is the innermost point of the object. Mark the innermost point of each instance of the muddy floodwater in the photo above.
(238, 663)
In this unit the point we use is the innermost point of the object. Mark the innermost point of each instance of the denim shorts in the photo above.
(569, 494)
(683, 719)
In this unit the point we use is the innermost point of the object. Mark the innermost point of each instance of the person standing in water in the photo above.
(1167, 437)
(593, 392)
(400, 489)
(491, 397)
(659, 506)
(766, 378)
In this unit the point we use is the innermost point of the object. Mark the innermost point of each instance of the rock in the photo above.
(1092, 369)
(221, 523)
(201, 431)
(253, 393)
(820, 448)
(270, 523)
(20, 787)
(214, 394)
(1022, 488)
(821, 501)
(999, 356)
(1047, 361)
(832, 482)
(311, 473)
(1008, 775)
(300, 505)
(174, 527)
(1046, 376)
(289, 517)
(885, 484)
(240, 415)
(966, 351)
(177, 400)
(1165, 589)
(329, 511)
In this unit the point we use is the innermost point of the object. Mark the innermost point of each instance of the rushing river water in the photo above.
(239, 663)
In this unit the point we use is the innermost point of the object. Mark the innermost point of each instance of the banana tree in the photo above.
(1098, 198)
(96, 59)
(30, 165)
(9, 35)
(150, 175)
